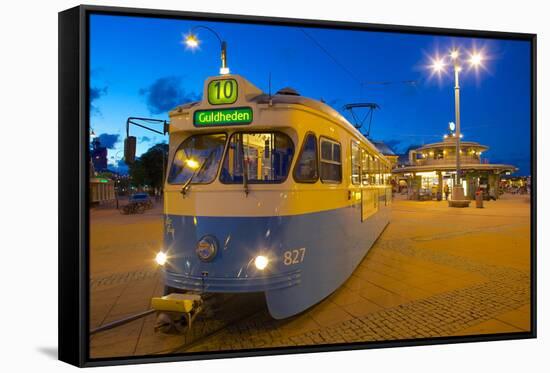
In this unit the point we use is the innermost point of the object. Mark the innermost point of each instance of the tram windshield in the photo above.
(260, 157)
(198, 158)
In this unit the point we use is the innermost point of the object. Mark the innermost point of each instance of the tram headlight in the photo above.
(161, 258)
(207, 248)
(261, 262)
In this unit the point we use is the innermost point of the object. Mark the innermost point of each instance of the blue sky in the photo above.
(139, 67)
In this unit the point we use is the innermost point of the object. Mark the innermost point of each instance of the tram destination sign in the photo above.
(222, 117)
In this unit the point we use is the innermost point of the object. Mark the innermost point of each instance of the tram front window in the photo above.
(260, 157)
(198, 155)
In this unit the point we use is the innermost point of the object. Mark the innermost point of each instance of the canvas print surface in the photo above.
(255, 186)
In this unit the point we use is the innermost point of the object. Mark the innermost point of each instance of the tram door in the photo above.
(356, 189)
(369, 193)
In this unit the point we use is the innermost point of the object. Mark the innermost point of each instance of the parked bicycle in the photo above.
(133, 208)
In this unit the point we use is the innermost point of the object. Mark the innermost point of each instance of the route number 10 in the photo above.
(222, 91)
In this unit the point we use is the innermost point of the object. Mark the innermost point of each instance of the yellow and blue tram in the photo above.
(277, 194)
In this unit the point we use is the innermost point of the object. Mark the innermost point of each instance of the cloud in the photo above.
(166, 93)
(95, 94)
(393, 144)
(121, 167)
(108, 140)
(145, 139)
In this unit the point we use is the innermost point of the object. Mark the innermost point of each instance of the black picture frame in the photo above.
(74, 175)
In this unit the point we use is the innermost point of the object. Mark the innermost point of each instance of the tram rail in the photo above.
(208, 324)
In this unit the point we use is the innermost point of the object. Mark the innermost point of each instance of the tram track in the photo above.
(234, 310)
(197, 342)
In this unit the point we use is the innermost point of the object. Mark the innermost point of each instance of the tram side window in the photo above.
(306, 170)
(376, 171)
(364, 167)
(260, 157)
(331, 161)
(355, 163)
(371, 170)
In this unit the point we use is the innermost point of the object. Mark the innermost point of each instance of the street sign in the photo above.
(222, 117)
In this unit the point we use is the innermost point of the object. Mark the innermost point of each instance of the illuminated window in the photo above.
(365, 167)
(355, 163)
(375, 170)
(306, 170)
(331, 161)
(260, 157)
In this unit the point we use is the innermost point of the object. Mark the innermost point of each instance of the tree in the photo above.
(148, 169)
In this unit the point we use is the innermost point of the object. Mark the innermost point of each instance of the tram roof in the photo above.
(253, 95)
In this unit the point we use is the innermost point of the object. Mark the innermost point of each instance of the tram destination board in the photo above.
(222, 117)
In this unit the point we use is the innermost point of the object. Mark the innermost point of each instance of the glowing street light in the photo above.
(476, 59)
(192, 41)
(438, 65)
(454, 54)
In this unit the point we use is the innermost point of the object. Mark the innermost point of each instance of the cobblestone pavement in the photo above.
(435, 271)
(481, 297)
(122, 278)
(445, 314)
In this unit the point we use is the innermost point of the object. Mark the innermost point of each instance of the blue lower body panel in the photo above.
(310, 255)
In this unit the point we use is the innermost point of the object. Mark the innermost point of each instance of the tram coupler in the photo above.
(176, 311)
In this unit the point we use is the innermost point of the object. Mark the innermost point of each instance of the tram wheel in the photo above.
(169, 324)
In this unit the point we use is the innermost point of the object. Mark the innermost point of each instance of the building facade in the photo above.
(430, 167)
(99, 155)
(386, 151)
(102, 190)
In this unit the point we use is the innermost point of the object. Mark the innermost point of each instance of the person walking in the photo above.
(446, 190)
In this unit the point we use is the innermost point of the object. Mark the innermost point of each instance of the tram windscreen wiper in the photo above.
(185, 188)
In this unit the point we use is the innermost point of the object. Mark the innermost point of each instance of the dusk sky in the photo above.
(139, 67)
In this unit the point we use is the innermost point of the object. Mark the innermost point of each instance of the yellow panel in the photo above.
(174, 303)
(369, 204)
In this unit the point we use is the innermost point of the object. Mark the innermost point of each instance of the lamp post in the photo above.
(457, 69)
(192, 41)
(438, 66)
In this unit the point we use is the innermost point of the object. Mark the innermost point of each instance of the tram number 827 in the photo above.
(294, 256)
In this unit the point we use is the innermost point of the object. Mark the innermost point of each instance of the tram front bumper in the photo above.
(182, 303)
(205, 284)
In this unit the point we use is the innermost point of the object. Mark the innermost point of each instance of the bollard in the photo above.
(479, 199)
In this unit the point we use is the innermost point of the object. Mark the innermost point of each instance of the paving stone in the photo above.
(434, 272)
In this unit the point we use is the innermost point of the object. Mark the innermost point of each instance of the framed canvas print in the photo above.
(238, 186)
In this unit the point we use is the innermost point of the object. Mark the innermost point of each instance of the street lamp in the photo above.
(192, 41)
(438, 66)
